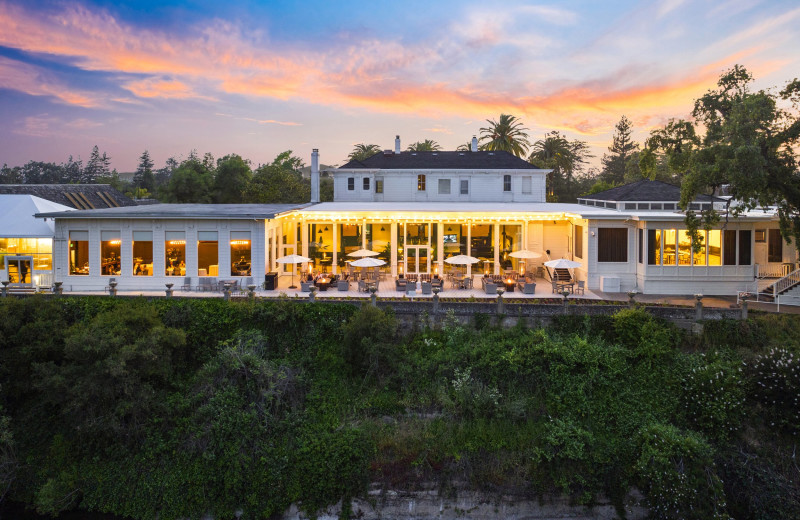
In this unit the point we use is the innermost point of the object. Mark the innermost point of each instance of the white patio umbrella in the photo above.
(363, 252)
(462, 260)
(562, 263)
(367, 262)
(293, 259)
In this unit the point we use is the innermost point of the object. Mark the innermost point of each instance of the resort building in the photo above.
(416, 210)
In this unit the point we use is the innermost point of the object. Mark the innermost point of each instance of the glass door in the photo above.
(19, 270)
(418, 259)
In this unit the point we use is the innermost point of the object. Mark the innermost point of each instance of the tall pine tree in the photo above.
(622, 148)
(98, 166)
(144, 178)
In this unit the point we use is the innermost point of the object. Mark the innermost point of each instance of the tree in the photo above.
(614, 164)
(98, 166)
(428, 145)
(465, 147)
(11, 175)
(507, 134)
(565, 158)
(190, 182)
(164, 174)
(749, 144)
(233, 177)
(144, 177)
(280, 181)
(363, 151)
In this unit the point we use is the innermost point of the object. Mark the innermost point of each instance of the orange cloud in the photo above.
(22, 77)
(159, 88)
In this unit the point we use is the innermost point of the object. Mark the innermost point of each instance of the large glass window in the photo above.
(41, 249)
(745, 247)
(729, 247)
(699, 256)
(670, 246)
(207, 253)
(378, 184)
(464, 187)
(175, 253)
(714, 247)
(454, 240)
(420, 182)
(612, 245)
(350, 240)
(417, 234)
(482, 246)
(110, 243)
(775, 246)
(510, 241)
(653, 247)
(240, 253)
(79, 253)
(578, 242)
(142, 253)
(320, 246)
(444, 186)
(365, 181)
(684, 248)
(379, 239)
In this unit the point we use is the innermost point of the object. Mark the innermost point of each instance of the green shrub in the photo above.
(369, 343)
(775, 379)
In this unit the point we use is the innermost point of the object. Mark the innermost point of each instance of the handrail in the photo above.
(786, 283)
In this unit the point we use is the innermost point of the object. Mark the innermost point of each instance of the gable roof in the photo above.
(17, 216)
(441, 161)
(644, 191)
(78, 196)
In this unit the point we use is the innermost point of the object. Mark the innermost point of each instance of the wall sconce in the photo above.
(326, 228)
(382, 229)
(592, 233)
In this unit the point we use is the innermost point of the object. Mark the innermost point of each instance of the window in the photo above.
(175, 253)
(670, 246)
(240, 253)
(379, 185)
(641, 246)
(714, 247)
(653, 247)
(420, 182)
(775, 246)
(699, 256)
(506, 182)
(366, 183)
(578, 239)
(684, 247)
(444, 186)
(526, 184)
(729, 247)
(351, 183)
(110, 243)
(79, 253)
(612, 245)
(142, 253)
(41, 249)
(761, 235)
(207, 253)
(464, 187)
(745, 247)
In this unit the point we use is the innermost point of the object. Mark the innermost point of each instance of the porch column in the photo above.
(335, 261)
(496, 248)
(440, 247)
(393, 258)
(469, 246)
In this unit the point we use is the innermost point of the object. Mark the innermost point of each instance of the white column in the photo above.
(335, 260)
(393, 259)
(496, 248)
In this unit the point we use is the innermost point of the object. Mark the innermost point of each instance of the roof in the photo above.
(644, 191)
(553, 208)
(78, 196)
(17, 216)
(199, 211)
(441, 161)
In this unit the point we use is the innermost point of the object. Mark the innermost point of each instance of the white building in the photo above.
(416, 209)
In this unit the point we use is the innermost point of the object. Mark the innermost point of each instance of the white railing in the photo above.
(786, 283)
(772, 271)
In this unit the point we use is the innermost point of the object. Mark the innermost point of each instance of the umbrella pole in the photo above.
(293, 286)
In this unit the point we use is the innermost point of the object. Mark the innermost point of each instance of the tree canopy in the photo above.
(280, 181)
(741, 139)
(506, 134)
(622, 148)
(428, 145)
(363, 151)
(565, 158)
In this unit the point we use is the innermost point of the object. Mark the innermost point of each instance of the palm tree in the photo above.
(507, 134)
(428, 145)
(564, 158)
(363, 151)
(465, 147)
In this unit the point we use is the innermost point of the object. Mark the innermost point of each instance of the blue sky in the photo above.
(257, 78)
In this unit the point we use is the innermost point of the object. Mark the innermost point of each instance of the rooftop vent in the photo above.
(413, 153)
(491, 153)
(434, 153)
(388, 152)
(461, 154)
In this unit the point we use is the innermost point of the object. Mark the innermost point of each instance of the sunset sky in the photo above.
(259, 77)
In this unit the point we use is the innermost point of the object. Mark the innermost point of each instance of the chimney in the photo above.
(397, 144)
(474, 147)
(315, 175)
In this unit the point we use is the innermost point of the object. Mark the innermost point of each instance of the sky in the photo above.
(256, 78)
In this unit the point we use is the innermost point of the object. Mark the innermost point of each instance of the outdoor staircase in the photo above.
(786, 288)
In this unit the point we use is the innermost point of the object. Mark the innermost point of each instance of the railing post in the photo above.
(698, 307)
(565, 294)
(169, 290)
(435, 300)
(4, 290)
(312, 293)
(373, 296)
(632, 298)
(744, 309)
(57, 288)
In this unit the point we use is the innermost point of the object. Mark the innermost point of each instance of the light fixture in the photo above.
(326, 228)
(382, 229)
(319, 231)
(449, 228)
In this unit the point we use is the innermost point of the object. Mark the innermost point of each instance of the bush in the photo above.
(775, 378)
(370, 343)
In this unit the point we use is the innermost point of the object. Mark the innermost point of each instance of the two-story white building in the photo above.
(416, 209)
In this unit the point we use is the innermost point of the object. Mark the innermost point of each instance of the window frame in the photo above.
(365, 183)
(464, 187)
(606, 254)
(443, 182)
(506, 183)
(351, 184)
(421, 181)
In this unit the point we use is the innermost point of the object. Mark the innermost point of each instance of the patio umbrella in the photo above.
(525, 254)
(462, 260)
(293, 259)
(363, 252)
(562, 263)
(367, 262)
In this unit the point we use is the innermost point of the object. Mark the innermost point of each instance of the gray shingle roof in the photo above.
(208, 211)
(442, 161)
(643, 191)
(78, 196)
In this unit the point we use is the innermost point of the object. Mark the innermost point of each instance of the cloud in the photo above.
(36, 126)
(162, 88)
(23, 77)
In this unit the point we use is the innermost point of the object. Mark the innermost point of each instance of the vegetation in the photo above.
(428, 145)
(175, 408)
(566, 159)
(363, 151)
(506, 134)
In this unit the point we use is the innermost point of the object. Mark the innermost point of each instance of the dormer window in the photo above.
(506, 182)
(421, 182)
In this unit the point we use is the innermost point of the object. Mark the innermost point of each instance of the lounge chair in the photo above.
(490, 288)
(343, 285)
(427, 288)
(400, 284)
(306, 286)
(526, 286)
(411, 289)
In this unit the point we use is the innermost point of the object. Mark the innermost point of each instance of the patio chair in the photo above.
(427, 288)
(400, 284)
(343, 285)
(581, 289)
(526, 286)
(362, 286)
(490, 288)
(107, 287)
(306, 286)
(187, 284)
(411, 289)
(555, 286)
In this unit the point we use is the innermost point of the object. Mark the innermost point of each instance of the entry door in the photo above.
(19, 270)
(418, 259)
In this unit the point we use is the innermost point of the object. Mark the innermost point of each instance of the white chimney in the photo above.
(397, 144)
(474, 147)
(315, 175)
